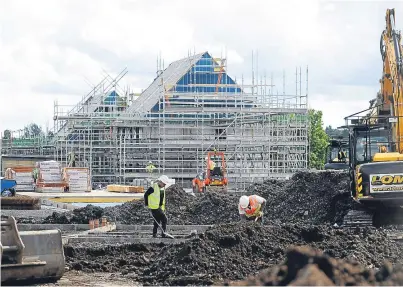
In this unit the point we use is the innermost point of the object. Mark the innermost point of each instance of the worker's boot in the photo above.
(154, 235)
(163, 235)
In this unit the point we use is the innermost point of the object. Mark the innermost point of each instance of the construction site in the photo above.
(193, 106)
(204, 179)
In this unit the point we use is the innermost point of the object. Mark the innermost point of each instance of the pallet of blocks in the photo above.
(49, 177)
(77, 179)
(23, 177)
(124, 188)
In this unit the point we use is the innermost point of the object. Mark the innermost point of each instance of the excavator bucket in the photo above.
(30, 255)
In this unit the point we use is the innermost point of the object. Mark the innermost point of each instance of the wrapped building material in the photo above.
(77, 179)
(23, 177)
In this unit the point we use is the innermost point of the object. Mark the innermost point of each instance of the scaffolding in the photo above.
(191, 107)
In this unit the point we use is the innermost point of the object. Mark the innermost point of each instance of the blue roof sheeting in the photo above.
(189, 75)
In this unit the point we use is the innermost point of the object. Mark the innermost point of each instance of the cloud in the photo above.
(51, 49)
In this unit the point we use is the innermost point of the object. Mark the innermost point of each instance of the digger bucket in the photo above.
(30, 255)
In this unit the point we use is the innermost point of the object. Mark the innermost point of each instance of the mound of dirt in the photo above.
(77, 216)
(234, 251)
(127, 259)
(304, 266)
(309, 197)
(181, 209)
(229, 252)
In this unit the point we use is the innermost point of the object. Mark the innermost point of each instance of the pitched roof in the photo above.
(171, 75)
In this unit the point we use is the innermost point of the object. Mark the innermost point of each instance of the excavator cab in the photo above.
(375, 168)
(337, 154)
(375, 173)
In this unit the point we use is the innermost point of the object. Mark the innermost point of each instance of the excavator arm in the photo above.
(392, 79)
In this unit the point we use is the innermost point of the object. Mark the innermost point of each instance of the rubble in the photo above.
(304, 266)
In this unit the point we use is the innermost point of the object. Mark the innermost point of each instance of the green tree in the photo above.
(336, 133)
(318, 140)
(7, 134)
(33, 130)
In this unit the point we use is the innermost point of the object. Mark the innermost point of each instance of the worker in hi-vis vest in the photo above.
(154, 199)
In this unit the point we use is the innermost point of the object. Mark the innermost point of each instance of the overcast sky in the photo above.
(49, 50)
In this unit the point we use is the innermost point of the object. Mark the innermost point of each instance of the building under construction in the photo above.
(193, 106)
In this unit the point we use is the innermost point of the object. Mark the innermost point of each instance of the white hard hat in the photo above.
(244, 201)
(206, 158)
(150, 161)
(164, 179)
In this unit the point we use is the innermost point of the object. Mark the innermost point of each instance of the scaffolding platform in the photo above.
(191, 107)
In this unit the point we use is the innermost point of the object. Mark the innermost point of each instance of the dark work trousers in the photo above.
(161, 218)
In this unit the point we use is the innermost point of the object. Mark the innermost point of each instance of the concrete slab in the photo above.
(61, 227)
(95, 196)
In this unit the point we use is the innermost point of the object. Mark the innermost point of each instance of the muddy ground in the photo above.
(299, 212)
(229, 252)
(96, 279)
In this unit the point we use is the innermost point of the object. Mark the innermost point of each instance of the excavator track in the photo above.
(358, 218)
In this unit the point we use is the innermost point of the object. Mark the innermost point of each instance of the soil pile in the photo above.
(128, 259)
(308, 267)
(310, 197)
(181, 209)
(77, 216)
(225, 251)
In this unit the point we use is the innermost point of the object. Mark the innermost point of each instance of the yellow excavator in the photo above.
(376, 142)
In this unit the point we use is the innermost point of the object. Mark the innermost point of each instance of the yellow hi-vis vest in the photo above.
(154, 198)
(150, 168)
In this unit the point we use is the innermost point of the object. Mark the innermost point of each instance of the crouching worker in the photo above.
(154, 199)
(251, 207)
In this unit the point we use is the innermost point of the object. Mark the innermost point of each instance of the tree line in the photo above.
(30, 131)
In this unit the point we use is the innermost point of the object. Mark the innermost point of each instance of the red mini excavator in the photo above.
(215, 177)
